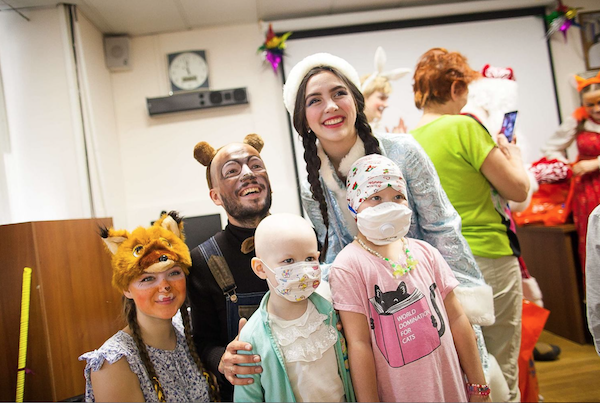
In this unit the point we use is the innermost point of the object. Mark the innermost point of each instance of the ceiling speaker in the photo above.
(116, 52)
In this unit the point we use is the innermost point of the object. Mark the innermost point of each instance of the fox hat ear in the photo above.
(204, 153)
(113, 238)
(172, 222)
(255, 141)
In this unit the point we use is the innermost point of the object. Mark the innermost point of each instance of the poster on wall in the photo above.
(590, 38)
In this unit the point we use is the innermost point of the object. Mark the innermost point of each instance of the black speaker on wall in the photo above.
(187, 101)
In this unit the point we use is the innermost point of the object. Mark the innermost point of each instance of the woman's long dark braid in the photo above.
(213, 386)
(131, 316)
(313, 162)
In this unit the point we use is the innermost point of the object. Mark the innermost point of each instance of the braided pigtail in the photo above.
(131, 316)
(213, 387)
(313, 164)
(363, 128)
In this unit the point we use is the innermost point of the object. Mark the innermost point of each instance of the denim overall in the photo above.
(238, 305)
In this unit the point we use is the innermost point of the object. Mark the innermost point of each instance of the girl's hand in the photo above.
(585, 166)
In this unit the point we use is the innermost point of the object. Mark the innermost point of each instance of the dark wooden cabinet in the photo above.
(73, 306)
(550, 254)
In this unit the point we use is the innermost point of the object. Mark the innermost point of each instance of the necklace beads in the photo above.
(398, 269)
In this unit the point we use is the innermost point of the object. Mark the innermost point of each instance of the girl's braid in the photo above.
(213, 386)
(313, 164)
(131, 316)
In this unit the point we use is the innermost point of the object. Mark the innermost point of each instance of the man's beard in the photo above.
(248, 215)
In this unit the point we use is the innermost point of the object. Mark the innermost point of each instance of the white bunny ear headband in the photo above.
(380, 59)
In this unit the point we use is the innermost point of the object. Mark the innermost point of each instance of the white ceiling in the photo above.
(142, 17)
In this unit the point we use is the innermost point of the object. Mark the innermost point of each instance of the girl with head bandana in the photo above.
(408, 336)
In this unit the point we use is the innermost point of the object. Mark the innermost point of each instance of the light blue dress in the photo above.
(178, 374)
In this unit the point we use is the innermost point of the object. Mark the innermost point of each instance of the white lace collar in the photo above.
(306, 338)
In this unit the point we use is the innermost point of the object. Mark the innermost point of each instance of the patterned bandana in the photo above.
(371, 174)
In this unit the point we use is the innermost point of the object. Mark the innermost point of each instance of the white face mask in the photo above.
(384, 223)
(295, 282)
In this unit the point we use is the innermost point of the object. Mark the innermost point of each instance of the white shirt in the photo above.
(308, 347)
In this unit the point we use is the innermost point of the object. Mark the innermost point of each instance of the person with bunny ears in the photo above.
(376, 89)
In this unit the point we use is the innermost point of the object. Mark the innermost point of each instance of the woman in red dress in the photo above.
(583, 127)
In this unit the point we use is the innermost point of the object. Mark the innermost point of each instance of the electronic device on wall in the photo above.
(188, 70)
(116, 52)
(191, 100)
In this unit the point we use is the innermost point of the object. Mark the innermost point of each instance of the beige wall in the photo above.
(159, 169)
(104, 154)
(44, 163)
(142, 165)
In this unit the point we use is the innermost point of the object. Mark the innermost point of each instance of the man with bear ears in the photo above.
(222, 287)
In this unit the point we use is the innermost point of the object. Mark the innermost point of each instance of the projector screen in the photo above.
(516, 42)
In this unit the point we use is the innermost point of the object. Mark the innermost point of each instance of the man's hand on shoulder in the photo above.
(229, 364)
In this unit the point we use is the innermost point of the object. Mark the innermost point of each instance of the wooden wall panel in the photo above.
(17, 246)
(550, 254)
(74, 308)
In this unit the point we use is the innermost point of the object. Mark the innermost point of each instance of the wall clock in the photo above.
(188, 70)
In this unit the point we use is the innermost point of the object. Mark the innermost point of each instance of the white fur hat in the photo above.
(299, 71)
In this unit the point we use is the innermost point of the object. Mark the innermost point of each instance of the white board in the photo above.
(517, 42)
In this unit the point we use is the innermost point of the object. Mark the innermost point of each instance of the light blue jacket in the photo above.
(273, 384)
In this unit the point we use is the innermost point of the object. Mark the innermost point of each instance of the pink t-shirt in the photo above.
(415, 357)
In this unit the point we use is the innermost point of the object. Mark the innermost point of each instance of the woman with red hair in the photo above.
(479, 176)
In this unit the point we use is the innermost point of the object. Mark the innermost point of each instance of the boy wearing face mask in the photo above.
(408, 336)
(294, 329)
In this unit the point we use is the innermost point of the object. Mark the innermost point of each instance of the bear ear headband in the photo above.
(204, 153)
(380, 60)
(580, 82)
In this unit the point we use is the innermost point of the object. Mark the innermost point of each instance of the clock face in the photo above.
(188, 70)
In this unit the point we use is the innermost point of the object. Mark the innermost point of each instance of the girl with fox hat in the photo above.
(153, 358)
(583, 127)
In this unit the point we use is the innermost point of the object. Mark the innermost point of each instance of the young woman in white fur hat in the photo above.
(322, 95)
